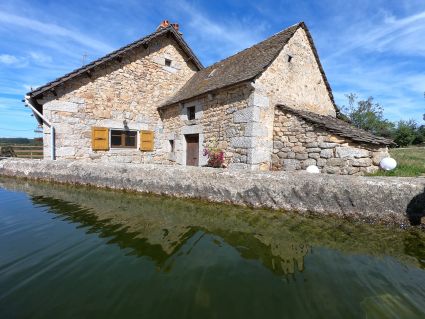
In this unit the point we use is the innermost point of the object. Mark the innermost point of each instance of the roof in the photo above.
(338, 127)
(116, 55)
(243, 66)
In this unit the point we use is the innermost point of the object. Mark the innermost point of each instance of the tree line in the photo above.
(368, 115)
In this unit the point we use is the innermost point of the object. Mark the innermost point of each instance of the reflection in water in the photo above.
(157, 227)
(132, 224)
(181, 258)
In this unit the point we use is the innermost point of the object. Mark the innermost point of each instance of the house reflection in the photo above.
(158, 228)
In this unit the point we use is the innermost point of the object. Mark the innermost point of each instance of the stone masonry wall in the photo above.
(130, 90)
(221, 120)
(298, 144)
(297, 83)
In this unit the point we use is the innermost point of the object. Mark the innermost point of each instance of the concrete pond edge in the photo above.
(389, 200)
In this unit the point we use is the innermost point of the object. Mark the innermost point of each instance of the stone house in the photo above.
(267, 107)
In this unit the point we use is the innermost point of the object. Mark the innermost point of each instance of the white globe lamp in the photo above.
(313, 169)
(388, 164)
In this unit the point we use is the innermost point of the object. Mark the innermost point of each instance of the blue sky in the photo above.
(372, 48)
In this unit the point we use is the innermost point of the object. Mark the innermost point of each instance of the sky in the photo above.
(371, 48)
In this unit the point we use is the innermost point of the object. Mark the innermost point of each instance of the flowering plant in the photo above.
(215, 157)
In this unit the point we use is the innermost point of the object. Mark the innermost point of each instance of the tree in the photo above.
(405, 133)
(367, 115)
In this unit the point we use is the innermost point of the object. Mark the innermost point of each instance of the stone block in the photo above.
(314, 155)
(312, 144)
(301, 156)
(277, 145)
(332, 170)
(64, 106)
(257, 99)
(282, 155)
(66, 151)
(313, 150)
(336, 162)
(308, 162)
(241, 142)
(361, 162)
(327, 153)
(321, 162)
(328, 145)
(256, 129)
(249, 114)
(351, 152)
(298, 149)
(291, 165)
(335, 139)
(290, 155)
(257, 156)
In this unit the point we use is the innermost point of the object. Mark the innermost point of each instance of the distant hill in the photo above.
(21, 141)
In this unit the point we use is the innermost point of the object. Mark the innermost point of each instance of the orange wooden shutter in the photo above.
(146, 141)
(100, 139)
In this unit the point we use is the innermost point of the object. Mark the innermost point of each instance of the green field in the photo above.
(410, 162)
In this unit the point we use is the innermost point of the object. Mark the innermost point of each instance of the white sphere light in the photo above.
(388, 163)
(313, 169)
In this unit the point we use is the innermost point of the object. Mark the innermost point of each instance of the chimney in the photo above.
(175, 26)
(166, 23)
(163, 24)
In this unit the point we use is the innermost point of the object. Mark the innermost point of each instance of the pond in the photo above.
(76, 252)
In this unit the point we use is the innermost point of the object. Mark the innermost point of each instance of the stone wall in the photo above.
(228, 119)
(298, 144)
(297, 83)
(130, 90)
(383, 199)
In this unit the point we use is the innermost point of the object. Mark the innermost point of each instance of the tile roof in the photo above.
(116, 55)
(243, 66)
(338, 127)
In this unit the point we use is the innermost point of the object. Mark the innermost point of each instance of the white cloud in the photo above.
(10, 19)
(40, 57)
(8, 59)
(220, 36)
(385, 33)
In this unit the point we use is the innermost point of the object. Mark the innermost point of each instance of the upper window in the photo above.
(121, 138)
(191, 113)
(167, 62)
(172, 146)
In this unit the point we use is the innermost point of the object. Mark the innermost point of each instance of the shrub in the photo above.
(215, 157)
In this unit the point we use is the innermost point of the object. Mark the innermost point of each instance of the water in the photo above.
(69, 252)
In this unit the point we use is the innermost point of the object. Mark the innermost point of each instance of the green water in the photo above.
(68, 252)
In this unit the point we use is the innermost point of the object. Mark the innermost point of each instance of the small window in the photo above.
(167, 62)
(120, 138)
(289, 58)
(172, 146)
(191, 113)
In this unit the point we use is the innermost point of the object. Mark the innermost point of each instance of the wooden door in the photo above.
(192, 150)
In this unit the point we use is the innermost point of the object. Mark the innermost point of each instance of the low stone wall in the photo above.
(298, 144)
(381, 199)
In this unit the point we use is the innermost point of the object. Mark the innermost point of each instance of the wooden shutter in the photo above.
(146, 141)
(100, 138)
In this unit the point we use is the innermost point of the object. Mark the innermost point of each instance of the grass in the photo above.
(410, 162)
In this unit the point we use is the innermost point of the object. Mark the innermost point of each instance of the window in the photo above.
(120, 138)
(167, 62)
(191, 113)
(172, 146)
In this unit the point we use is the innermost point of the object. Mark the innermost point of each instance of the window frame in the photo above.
(189, 113)
(172, 146)
(121, 146)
